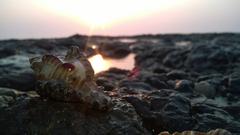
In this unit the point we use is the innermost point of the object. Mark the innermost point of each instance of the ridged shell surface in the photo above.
(74, 72)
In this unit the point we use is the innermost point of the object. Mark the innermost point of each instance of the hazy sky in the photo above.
(58, 18)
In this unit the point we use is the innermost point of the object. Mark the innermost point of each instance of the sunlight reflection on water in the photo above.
(101, 64)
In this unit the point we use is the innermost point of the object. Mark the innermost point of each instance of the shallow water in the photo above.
(183, 43)
(101, 64)
(127, 40)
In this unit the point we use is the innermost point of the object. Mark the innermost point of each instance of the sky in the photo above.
(61, 18)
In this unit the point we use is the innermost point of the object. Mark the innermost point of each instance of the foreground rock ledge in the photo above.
(32, 115)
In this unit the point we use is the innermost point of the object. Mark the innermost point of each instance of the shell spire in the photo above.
(74, 52)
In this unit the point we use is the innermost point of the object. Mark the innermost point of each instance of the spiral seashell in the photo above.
(75, 71)
(211, 132)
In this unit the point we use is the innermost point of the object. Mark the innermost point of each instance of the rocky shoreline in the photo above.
(180, 82)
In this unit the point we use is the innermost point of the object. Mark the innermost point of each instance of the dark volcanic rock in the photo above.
(105, 83)
(210, 116)
(114, 74)
(135, 85)
(155, 80)
(234, 83)
(35, 116)
(203, 58)
(164, 110)
(114, 50)
(5, 52)
(177, 74)
(16, 73)
(21, 81)
(173, 59)
(154, 56)
(205, 88)
(184, 86)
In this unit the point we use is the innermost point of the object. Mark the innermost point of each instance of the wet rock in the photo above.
(209, 58)
(135, 85)
(160, 69)
(210, 116)
(205, 88)
(9, 96)
(16, 73)
(234, 110)
(234, 84)
(5, 52)
(106, 84)
(184, 86)
(45, 44)
(114, 74)
(72, 41)
(34, 116)
(174, 61)
(164, 110)
(114, 50)
(155, 80)
(22, 81)
(177, 74)
(9, 92)
(154, 56)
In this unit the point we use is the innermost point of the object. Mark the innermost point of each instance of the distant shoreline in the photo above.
(127, 36)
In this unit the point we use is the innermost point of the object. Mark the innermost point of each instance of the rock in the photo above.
(34, 116)
(72, 41)
(205, 88)
(5, 52)
(114, 74)
(135, 85)
(9, 96)
(106, 84)
(45, 44)
(23, 81)
(5, 101)
(114, 50)
(9, 92)
(177, 74)
(154, 56)
(164, 110)
(155, 80)
(160, 69)
(16, 73)
(184, 86)
(174, 61)
(234, 84)
(214, 117)
(212, 57)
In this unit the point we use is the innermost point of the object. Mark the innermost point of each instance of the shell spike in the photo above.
(74, 52)
(36, 63)
(51, 59)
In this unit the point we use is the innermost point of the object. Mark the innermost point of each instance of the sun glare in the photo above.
(102, 13)
(100, 64)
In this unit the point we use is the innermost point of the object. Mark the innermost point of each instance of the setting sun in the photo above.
(102, 13)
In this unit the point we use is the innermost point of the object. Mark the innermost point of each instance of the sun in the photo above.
(102, 13)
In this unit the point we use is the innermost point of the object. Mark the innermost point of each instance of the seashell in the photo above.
(69, 78)
(211, 132)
